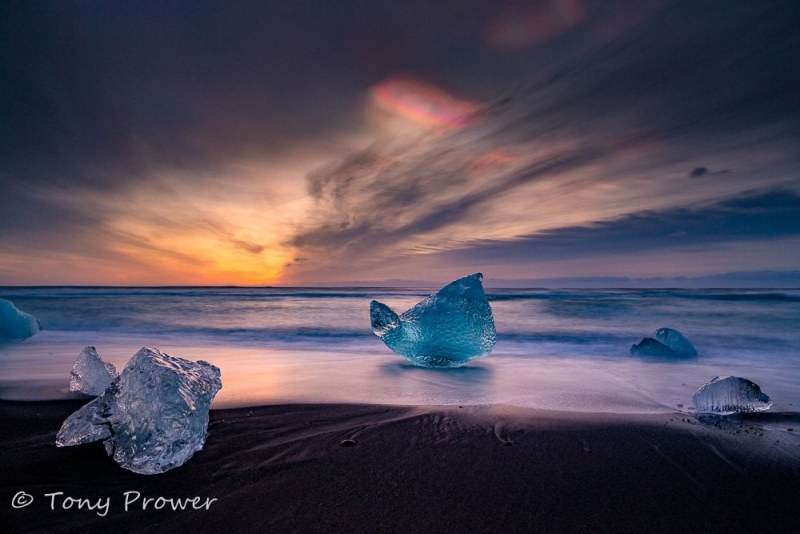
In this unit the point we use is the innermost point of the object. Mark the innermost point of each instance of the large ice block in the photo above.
(154, 414)
(15, 324)
(90, 374)
(447, 329)
(725, 395)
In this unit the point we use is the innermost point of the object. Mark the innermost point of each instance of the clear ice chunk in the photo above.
(446, 329)
(90, 374)
(154, 415)
(16, 324)
(665, 342)
(725, 395)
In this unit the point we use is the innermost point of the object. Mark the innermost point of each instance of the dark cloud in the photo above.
(694, 68)
(755, 216)
(104, 92)
(740, 279)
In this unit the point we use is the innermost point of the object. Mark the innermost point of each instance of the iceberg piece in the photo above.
(725, 395)
(15, 324)
(447, 329)
(665, 342)
(90, 374)
(154, 415)
(675, 341)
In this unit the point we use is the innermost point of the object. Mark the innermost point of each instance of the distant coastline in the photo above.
(730, 280)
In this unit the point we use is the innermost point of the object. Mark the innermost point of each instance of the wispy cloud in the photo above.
(607, 138)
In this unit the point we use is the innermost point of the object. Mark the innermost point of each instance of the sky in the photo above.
(324, 143)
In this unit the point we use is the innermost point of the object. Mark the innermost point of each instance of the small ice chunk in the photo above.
(725, 395)
(446, 329)
(675, 341)
(154, 415)
(15, 324)
(90, 374)
(665, 342)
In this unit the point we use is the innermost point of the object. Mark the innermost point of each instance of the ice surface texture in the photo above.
(665, 342)
(447, 329)
(730, 394)
(153, 416)
(15, 323)
(90, 374)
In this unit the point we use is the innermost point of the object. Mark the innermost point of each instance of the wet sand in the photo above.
(416, 469)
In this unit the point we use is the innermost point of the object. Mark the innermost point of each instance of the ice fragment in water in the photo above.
(154, 414)
(447, 329)
(675, 341)
(90, 374)
(665, 342)
(730, 394)
(15, 324)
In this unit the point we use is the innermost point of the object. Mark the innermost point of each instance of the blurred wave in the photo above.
(529, 321)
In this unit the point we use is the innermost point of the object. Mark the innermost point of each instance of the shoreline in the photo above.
(484, 468)
(39, 370)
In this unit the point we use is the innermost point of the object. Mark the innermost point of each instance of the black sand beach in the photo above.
(416, 469)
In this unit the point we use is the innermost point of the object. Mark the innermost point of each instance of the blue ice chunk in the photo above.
(15, 324)
(676, 341)
(154, 414)
(446, 329)
(665, 342)
(725, 395)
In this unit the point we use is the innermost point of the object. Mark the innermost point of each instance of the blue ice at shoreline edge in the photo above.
(15, 324)
(447, 329)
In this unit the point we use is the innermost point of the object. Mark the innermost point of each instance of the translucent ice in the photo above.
(730, 394)
(675, 341)
(90, 374)
(15, 323)
(665, 342)
(153, 416)
(447, 329)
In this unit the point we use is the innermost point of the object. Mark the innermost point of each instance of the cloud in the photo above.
(378, 204)
(754, 216)
(600, 136)
(124, 128)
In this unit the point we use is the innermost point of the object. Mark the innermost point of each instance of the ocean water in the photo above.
(556, 349)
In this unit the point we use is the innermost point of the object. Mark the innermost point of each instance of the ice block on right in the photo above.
(725, 395)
